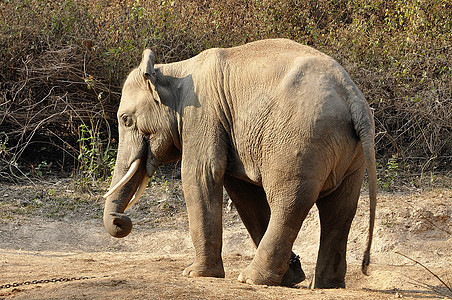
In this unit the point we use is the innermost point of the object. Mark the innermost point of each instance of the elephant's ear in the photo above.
(148, 71)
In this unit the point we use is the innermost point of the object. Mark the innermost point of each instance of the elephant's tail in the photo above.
(363, 122)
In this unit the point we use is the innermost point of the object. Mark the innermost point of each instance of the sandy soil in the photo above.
(71, 242)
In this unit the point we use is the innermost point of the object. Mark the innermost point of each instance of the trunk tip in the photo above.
(117, 224)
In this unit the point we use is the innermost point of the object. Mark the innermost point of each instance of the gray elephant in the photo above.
(279, 125)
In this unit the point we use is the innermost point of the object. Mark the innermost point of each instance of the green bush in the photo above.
(63, 62)
(96, 159)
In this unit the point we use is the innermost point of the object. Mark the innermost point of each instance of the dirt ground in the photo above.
(50, 231)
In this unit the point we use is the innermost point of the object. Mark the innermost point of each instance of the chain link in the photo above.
(52, 280)
(294, 259)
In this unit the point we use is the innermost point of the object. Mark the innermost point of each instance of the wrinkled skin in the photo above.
(279, 125)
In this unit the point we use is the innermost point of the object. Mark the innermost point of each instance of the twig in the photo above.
(437, 277)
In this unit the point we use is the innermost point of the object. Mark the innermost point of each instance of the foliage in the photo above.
(387, 177)
(62, 64)
(95, 161)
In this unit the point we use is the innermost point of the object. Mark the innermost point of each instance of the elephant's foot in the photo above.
(253, 275)
(295, 273)
(203, 270)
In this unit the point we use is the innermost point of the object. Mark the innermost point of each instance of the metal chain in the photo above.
(294, 259)
(62, 279)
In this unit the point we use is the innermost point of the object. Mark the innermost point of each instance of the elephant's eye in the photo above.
(127, 120)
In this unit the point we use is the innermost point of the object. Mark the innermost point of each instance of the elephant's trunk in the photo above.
(115, 221)
(124, 191)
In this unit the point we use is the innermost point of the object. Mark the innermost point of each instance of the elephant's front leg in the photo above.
(204, 198)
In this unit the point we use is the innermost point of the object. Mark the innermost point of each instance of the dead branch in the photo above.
(428, 270)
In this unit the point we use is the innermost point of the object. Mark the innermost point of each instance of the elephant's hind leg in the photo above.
(272, 260)
(252, 206)
(251, 203)
(336, 213)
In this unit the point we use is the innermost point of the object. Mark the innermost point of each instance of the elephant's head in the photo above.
(148, 136)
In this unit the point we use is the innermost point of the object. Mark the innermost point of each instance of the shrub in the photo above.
(63, 63)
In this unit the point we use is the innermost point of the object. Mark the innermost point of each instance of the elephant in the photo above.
(279, 125)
